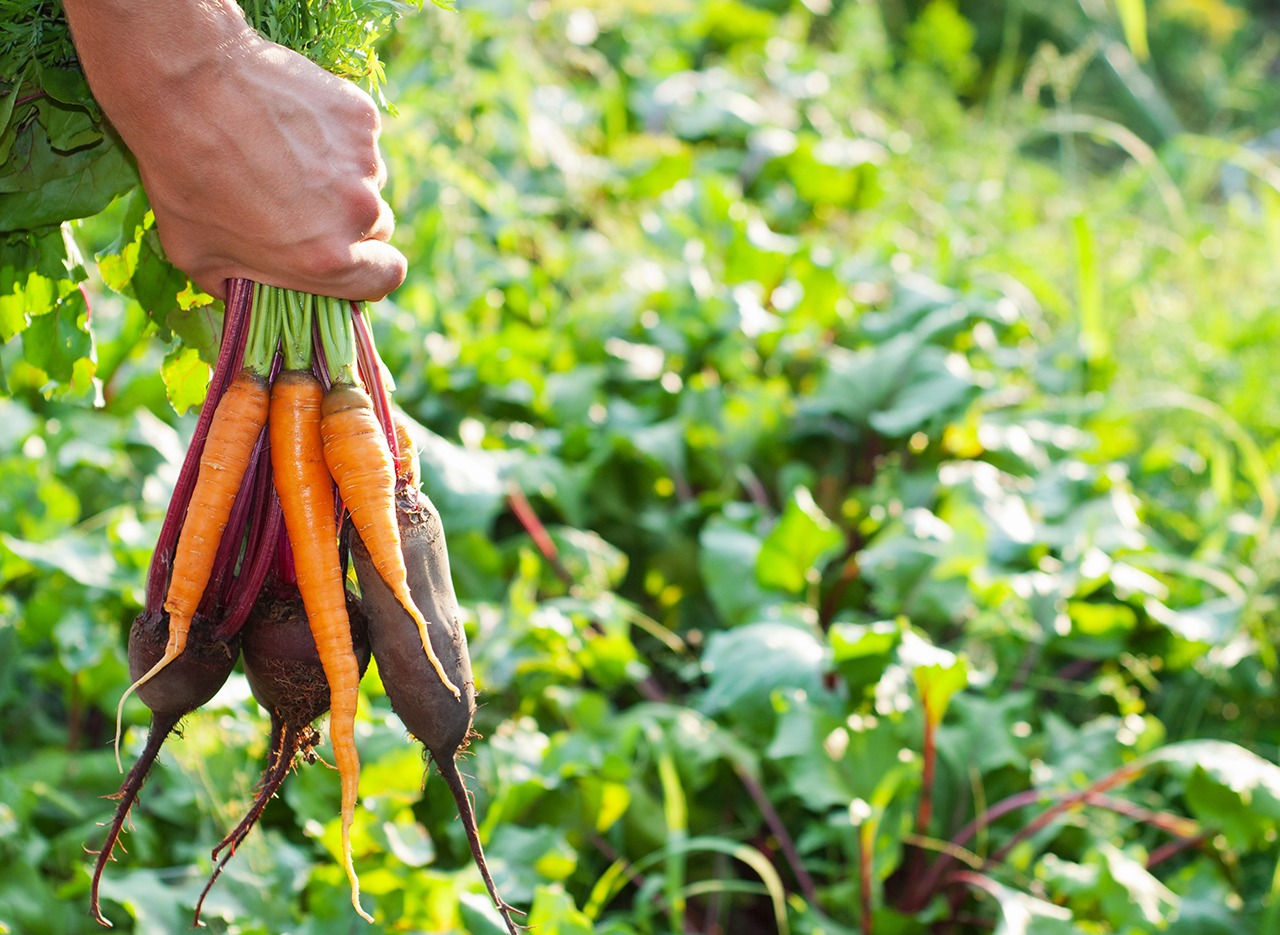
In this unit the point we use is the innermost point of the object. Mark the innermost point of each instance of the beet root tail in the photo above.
(462, 799)
(286, 741)
(162, 724)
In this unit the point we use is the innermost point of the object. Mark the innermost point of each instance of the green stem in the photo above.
(296, 328)
(338, 338)
(264, 330)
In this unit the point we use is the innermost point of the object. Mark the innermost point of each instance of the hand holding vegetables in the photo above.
(254, 500)
(258, 164)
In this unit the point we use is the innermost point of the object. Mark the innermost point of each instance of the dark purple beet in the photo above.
(440, 721)
(177, 690)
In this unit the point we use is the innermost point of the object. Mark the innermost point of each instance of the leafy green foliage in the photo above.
(826, 553)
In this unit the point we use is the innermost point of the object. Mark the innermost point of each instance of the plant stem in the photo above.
(929, 883)
(1168, 822)
(866, 847)
(1110, 781)
(296, 329)
(337, 339)
(524, 512)
(371, 375)
(1173, 848)
(774, 822)
(266, 533)
(930, 755)
(264, 330)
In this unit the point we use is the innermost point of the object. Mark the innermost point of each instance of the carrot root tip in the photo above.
(170, 654)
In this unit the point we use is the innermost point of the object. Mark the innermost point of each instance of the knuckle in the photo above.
(365, 210)
(363, 112)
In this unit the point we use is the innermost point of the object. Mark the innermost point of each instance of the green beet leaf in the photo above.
(747, 665)
(791, 555)
(186, 378)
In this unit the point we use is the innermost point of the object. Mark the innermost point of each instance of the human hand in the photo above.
(258, 164)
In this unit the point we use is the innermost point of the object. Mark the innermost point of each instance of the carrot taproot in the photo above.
(407, 469)
(361, 464)
(305, 490)
(355, 450)
(287, 679)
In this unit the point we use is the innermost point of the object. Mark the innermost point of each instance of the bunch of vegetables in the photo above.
(296, 465)
(295, 470)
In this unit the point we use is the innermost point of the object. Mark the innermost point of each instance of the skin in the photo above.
(258, 164)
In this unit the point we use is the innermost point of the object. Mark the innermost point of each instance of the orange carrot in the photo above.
(306, 497)
(237, 423)
(407, 469)
(360, 462)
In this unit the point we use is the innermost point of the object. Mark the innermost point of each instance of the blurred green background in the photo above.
(895, 383)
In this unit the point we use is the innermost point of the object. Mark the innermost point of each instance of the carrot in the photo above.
(306, 497)
(407, 469)
(287, 679)
(237, 423)
(360, 462)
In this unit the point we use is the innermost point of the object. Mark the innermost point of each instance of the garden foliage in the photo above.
(857, 462)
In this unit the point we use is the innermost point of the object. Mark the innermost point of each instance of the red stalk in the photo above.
(265, 530)
(523, 510)
(929, 883)
(229, 548)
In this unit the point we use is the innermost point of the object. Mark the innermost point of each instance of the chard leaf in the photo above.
(186, 378)
(1228, 787)
(746, 665)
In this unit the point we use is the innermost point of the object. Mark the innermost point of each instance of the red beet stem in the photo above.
(261, 553)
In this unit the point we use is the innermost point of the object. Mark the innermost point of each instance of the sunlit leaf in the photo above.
(746, 665)
(938, 673)
(791, 555)
(186, 378)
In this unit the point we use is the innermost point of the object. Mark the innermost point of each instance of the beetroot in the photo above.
(177, 690)
(439, 721)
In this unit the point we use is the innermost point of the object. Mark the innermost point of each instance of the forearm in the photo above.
(144, 59)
